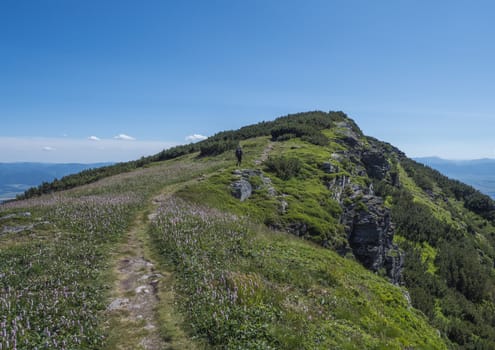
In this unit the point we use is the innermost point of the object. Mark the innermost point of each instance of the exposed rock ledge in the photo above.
(370, 234)
(243, 188)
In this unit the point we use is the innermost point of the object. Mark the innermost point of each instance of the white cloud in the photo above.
(68, 150)
(195, 138)
(124, 137)
(94, 138)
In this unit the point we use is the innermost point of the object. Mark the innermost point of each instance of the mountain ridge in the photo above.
(383, 252)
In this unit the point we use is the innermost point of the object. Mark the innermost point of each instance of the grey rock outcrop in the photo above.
(376, 164)
(241, 189)
(329, 168)
(347, 133)
(337, 156)
(370, 234)
(26, 214)
(337, 186)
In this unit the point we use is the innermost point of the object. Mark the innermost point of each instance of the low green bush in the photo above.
(284, 167)
(217, 147)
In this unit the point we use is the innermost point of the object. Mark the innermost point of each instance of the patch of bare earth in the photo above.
(142, 313)
(265, 154)
(132, 312)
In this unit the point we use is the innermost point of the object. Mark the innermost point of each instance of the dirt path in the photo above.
(141, 313)
(265, 153)
(132, 310)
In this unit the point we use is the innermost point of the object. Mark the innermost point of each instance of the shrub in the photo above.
(217, 147)
(316, 139)
(284, 167)
(306, 132)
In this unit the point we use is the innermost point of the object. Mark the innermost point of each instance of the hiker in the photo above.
(238, 154)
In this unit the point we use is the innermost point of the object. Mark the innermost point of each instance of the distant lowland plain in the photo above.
(15, 178)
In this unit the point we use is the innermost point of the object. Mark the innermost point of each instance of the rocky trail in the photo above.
(132, 310)
(141, 311)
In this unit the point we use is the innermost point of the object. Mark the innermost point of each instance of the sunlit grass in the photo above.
(241, 286)
(53, 275)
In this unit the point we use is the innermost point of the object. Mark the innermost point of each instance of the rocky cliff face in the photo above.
(366, 220)
(370, 234)
(376, 163)
(368, 226)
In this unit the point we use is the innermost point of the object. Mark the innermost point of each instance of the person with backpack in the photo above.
(238, 154)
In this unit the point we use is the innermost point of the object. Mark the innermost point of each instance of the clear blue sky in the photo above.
(419, 73)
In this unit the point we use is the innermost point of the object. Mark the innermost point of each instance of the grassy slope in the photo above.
(291, 293)
(55, 274)
(306, 195)
(245, 287)
(301, 295)
(75, 231)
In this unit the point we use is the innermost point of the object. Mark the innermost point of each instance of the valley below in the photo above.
(16, 178)
(479, 173)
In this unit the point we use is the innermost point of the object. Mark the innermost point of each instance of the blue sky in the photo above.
(418, 74)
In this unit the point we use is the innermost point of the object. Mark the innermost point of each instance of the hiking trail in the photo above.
(141, 312)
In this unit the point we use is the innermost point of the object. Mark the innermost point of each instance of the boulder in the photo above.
(241, 189)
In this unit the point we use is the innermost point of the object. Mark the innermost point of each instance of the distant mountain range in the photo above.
(15, 178)
(479, 173)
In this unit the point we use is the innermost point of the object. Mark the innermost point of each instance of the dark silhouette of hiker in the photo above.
(238, 154)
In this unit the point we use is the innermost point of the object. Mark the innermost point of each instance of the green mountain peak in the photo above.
(321, 238)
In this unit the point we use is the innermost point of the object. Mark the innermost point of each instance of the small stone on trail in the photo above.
(118, 303)
(144, 277)
(142, 289)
